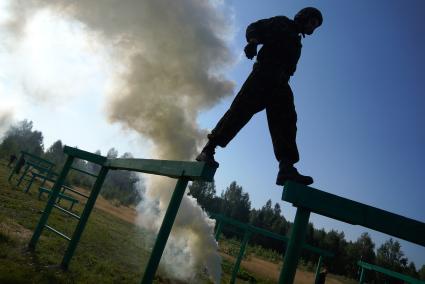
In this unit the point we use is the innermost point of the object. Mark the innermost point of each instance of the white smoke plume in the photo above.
(6, 119)
(169, 57)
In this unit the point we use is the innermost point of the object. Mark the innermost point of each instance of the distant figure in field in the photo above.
(20, 164)
(267, 88)
(12, 159)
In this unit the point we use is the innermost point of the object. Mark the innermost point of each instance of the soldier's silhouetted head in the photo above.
(308, 19)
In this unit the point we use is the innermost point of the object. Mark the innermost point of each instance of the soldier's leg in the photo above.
(282, 119)
(247, 102)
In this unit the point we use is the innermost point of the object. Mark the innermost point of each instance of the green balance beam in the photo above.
(173, 169)
(354, 213)
(405, 278)
(183, 171)
(309, 199)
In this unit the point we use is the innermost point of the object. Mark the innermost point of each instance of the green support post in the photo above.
(362, 276)
(318, 268)
(165, 230)
(235, 271)
(23, 175)
(294, 247)
(218, 230)
(84, 217)
(55, 192)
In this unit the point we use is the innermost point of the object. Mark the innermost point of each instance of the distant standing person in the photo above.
(267, 87)
(12, 159)
(20, 164)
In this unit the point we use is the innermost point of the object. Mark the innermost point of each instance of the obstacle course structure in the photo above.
(367, 266)
(31, 163)
(181, 170)
(250, 230)
(308, 199)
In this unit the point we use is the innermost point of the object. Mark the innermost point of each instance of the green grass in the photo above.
(110, 250)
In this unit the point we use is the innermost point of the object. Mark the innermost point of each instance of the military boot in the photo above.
(289, 172)
(207, 154)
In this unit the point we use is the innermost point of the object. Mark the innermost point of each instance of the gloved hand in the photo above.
(250, 50)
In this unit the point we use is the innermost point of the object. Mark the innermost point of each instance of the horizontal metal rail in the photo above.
(84, 172)
(37, 158)
(75, 191)
(57, 232)
(388, 272)
(173, 169)
(260, 231)
(354, 212)
(67, 212)
(84, 155)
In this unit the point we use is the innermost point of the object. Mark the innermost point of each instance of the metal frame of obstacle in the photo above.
(181, 170)
(31, 160)
(367, 266)
(250, 230)
(308, 199)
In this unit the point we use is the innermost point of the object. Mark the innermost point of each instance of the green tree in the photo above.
(390, 256)
(204, 193)
(19, 137)
(55, 154)
(421, 272)
(362, 249)
(235, 203)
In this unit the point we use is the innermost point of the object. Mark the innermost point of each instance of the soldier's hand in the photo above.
(250, 50)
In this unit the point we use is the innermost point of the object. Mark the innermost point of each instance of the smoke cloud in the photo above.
(6, 119)
(169, 60)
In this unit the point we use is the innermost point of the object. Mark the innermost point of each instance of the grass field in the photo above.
(111, 250)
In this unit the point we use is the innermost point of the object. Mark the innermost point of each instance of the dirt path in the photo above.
(125, 213)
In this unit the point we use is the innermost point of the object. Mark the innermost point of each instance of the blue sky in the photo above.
(359, 93)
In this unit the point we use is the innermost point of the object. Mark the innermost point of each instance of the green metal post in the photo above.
(29, 184)
(23, 175)
(50, 203)
(21, 156)
(218, 230)
(165, 230)
(84, 217)
(295, 244)
(362, 276)
(318, 268)
(235, 271)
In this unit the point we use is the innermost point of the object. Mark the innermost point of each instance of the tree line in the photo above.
(235, 203)
(123, 187)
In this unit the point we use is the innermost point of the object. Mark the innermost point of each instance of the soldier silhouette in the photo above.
(267, 87)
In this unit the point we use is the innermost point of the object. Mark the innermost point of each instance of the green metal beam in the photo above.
(84, 218)
(84, 155)
(318, 268)
(174, 169)
(406, 278)
(260, 231)
(37, 158)
(50, 203)
(235, 271)
(293, 250)
(353, 212)
(164, 231)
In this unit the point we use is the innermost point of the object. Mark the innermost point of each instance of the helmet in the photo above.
(307, 13)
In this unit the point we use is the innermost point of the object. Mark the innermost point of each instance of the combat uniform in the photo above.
(267, 88)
